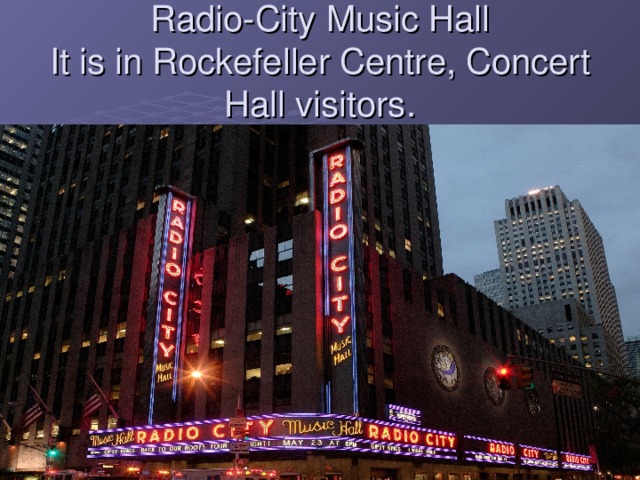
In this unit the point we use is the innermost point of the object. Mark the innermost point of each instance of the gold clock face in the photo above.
(445, 368)
(533, 403)
(494, 393)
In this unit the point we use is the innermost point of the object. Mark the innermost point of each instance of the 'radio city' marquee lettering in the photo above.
(573, 458)
(574, 461)
(502, 448)
(486, 450)
(173, 233)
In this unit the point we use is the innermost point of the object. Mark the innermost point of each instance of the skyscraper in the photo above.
(550, 250)
(19, 150)
(633, 351)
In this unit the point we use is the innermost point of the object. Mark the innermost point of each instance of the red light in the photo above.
(504, 371)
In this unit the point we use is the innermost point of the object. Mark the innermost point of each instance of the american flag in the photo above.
(93, 402)
(32, 411)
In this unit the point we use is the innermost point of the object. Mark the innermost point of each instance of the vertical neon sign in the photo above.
(339, 276)
(174, 230)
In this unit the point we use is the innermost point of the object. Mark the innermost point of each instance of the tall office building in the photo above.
(633, 352)
(550, 250)
(19, 150)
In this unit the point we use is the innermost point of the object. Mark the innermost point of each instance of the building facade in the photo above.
(550, 250)
(567, 324)
(305, 291)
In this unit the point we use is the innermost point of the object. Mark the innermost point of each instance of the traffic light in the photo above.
(52, 453)
(523, 376)
(503, 378)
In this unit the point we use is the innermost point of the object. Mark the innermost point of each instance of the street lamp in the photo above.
(199, 375)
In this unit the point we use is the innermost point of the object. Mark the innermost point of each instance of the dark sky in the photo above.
(478, 167)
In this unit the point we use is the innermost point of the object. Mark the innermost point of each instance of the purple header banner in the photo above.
(374, 61)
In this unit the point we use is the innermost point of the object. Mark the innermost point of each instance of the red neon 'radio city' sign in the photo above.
(174, 234)
(338, 256)
(339, 268)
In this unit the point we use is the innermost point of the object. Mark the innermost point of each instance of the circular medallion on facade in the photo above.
(445, 367)
(533, 402)
(495, 393)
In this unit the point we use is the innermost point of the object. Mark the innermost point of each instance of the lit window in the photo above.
(285, 250)
(115, 392)
(283, 369)
(121, 330)
(256, 258)
(302, 198)
(103, 336)
(252, 373)
(283, 330)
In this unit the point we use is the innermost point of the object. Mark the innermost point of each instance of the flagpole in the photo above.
(41, 402)
(102, 396)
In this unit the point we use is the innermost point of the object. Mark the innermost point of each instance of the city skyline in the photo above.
(477, 168)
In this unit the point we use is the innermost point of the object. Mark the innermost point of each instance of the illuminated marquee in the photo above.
(396, 413)
(479, 449)
(173, 232)
(538, 457)
(575, 461)
(277, 433)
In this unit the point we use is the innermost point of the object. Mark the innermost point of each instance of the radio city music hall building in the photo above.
(304, 287)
